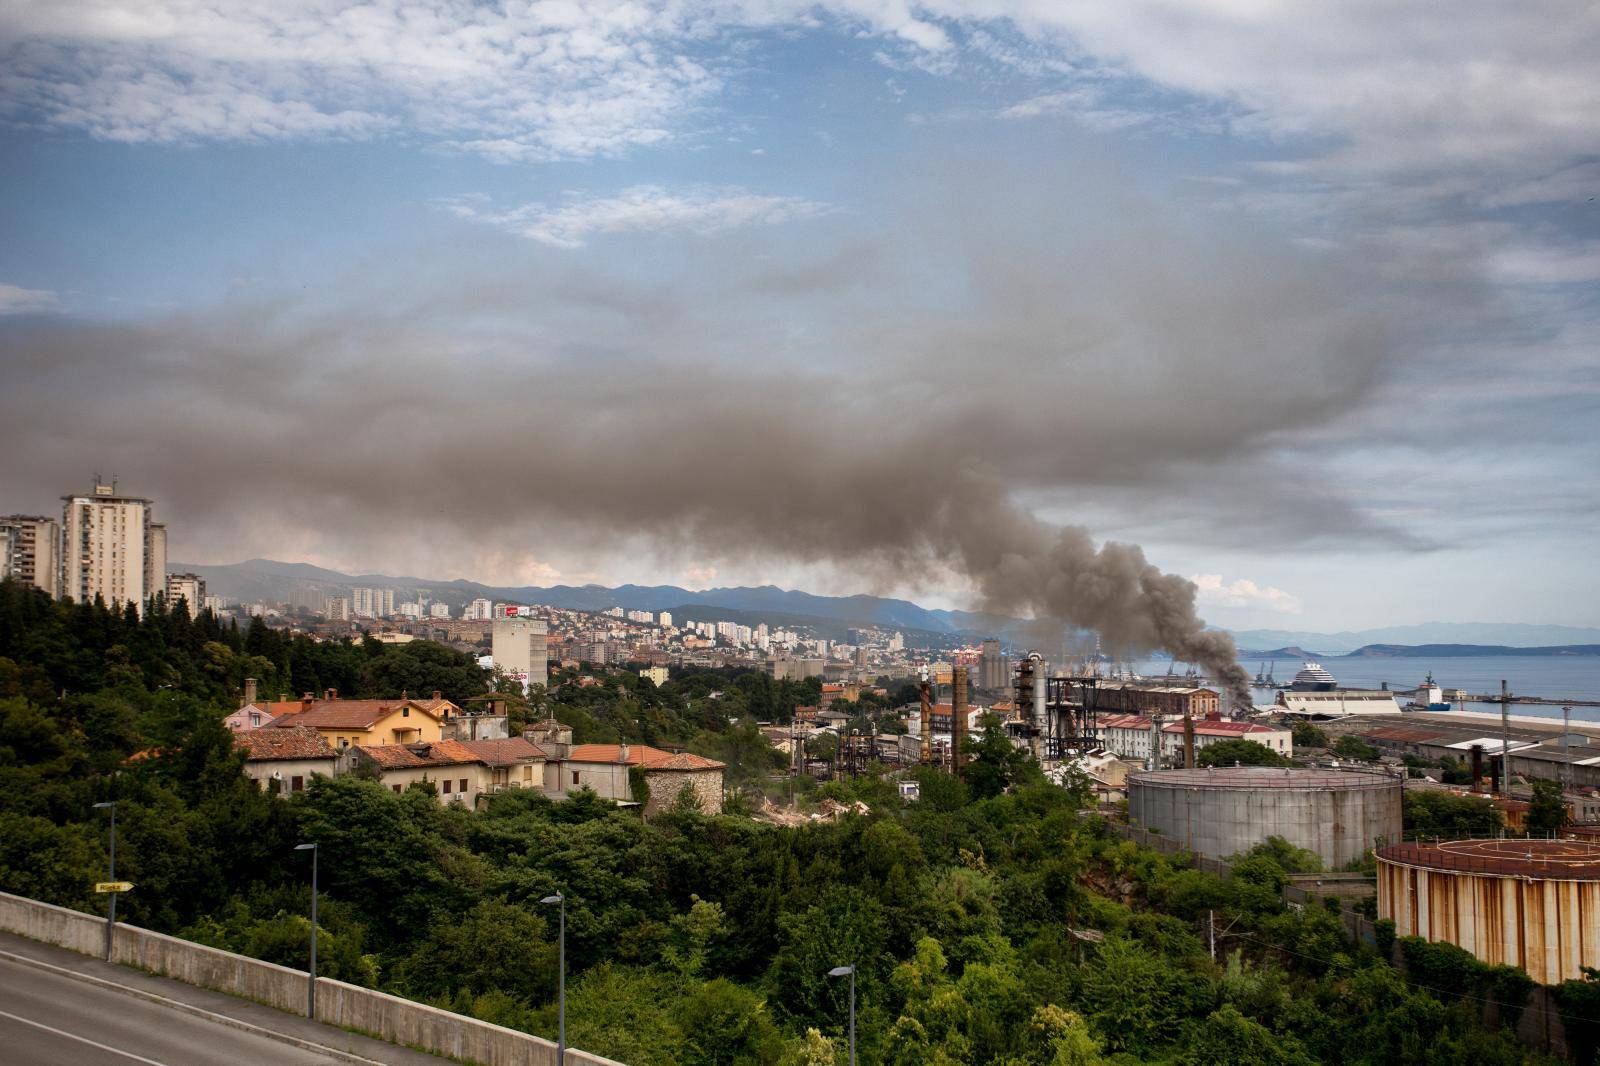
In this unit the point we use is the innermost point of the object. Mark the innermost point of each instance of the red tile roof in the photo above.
(351, 714)
(642, 755)
(1123, 721)
(1206, 727)
(265, 745)
(506, 752)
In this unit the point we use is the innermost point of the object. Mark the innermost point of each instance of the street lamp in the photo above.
(311, 982)
(841, 971)
(111, 914)
(561, 981)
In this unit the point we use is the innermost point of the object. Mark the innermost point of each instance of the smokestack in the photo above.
(1505, 740)
(250, 684)
(1188, 740)
(1040, 724)
(622, 753)
(958, 715)
(927, 722)
(1154, 761)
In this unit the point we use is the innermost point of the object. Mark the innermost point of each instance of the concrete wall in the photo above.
(1337, 824)
(347, 1006)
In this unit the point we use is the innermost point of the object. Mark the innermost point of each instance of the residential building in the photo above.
(658, 675)
(521, 650)
(664, 619)
(285, 760)
(438, 610)
(345, 723)
(371, 602)
(1130, 736)
(110, 548)
(190, 589)
(461, 770)
(479, 610)
(338, 609)
(28, 551)
(604, 768)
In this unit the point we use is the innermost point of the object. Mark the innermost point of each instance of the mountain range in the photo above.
(273, 581)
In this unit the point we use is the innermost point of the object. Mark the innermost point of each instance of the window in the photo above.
(297, 783)
(344, 742)
(396, 788)
(463, 787)
(574, 777)
(405, 712)
(446, 786)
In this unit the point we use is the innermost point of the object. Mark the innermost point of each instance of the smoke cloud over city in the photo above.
(834, 404)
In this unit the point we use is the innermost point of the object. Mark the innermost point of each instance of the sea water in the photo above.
(1555, 677)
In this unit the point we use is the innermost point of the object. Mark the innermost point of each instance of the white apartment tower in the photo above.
(111, 549)
(28, 548)
(522, 650)
(190, 588)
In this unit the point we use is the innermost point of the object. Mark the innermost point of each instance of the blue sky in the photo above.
(1301, 300)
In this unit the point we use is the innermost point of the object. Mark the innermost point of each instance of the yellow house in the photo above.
(344, 723)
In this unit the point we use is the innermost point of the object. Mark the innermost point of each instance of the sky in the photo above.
(1304, 299)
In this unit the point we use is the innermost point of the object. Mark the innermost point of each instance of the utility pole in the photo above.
(1566, 751)
(1211, 932)
(111, 914)
(1505, 740)
(311, 972)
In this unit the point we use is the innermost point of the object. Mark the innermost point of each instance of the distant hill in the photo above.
(1460, 651)
(1507, 634)
(1246, 654)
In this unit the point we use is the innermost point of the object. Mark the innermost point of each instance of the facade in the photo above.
(285, 759)
(1223, 811)
(521, 650)
(1336, 703)
(461, 770)
(29, 547)
(111, 549)
(657, 674)
(439, 610)
(1129, 698)
(1528, 903)
(347, 723)
(1131, 735)
(604, 768)
(371, 602)
(190, 588)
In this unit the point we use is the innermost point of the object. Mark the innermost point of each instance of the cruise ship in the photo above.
(1313, 678)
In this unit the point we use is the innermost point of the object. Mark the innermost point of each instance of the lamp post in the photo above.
(561, 980)
(311, 971)
(111, 913)
(841, 971)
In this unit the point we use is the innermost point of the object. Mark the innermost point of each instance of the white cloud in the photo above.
(1243, 592)
(701, 210)
(15, 300)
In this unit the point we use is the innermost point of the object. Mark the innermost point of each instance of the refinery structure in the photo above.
(1534, 904)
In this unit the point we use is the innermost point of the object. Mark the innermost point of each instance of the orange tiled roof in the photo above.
(350, 714)
(265, 745)
(642, 755)
(505, 752)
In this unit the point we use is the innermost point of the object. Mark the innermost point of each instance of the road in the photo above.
(47, 1019)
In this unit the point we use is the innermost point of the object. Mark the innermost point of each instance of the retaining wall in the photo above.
(400, 1021)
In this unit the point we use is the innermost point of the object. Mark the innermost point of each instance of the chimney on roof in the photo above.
(307, 700)
(333, 694)
(437, 695)
(622, 753)
(249, 691)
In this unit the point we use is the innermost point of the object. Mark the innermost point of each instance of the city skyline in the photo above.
(1301, 302)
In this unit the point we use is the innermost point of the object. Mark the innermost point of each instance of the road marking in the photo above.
(80, 1039)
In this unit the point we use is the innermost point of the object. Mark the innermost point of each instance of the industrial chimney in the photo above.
(958, 715)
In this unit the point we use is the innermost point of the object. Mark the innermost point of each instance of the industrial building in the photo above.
(1528, 903)
(1222, 811)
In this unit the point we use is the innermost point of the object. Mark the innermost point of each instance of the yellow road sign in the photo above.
(113, 886)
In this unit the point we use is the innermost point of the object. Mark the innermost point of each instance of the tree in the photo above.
(1548, 811)
(1242, 752)
(1351, 746)
(1228, 1038)
(1307, 735)
(1445, 814)
(994, 763)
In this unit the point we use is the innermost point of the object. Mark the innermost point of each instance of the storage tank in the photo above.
(1529, 903)
(1221, 811)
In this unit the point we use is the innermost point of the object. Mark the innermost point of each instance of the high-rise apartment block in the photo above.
(521, 650)
(479, 610)
(438, 610)
(111, 549)
(28, 550)
(190, 588)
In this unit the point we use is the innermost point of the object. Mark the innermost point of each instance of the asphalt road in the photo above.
(50, 1020)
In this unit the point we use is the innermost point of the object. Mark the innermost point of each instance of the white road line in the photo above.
(81, 1039)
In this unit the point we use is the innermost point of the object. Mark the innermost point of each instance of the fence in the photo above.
(347, 1006)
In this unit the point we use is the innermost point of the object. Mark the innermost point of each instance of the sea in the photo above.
(1564, 677)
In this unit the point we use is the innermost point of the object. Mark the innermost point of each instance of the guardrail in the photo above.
(348, 1006)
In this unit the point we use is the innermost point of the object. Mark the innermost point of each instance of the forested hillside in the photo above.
(992, 921)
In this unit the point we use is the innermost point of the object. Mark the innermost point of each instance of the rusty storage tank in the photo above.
(1529, 903)
(1221, 811)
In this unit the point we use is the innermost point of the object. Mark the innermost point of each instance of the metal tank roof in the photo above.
(1261, 777)
(1553, 860)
